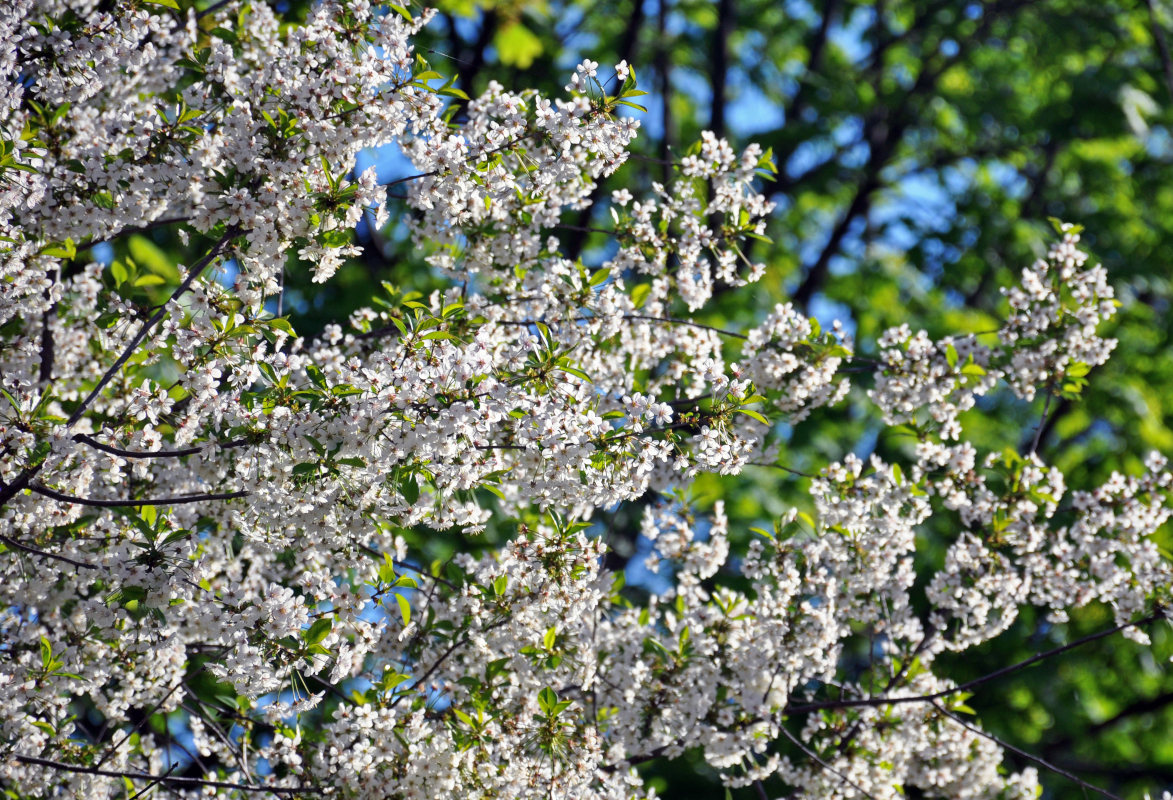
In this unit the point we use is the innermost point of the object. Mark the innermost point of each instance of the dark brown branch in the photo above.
(187, 451)
(628, 317)
(370, 551)
(663, 73)
(150, 226)
(145, 717)
(44, 553)
(134, 501)
(7, 492)
(196, 270)
(572, 245)
(884, 130)
(118, 451)
(142, 792)
(811, 754)
(1029, 756)
(172, 781)
(928, 698)
(1148, 705)
(456, 644)
(475, 60)
(45, 372)
(212, 9)
(719, 58)
(816, 274)
(10, 490)
(1034, 445)
(1162, 47)
(815, 48)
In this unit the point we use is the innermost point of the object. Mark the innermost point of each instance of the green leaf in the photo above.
(749, 412)
(316, 376)
(148, 254)
(409, 489)
(575, 371)
(403, 12)
(11, 400)
(318, 631)
(282, 324)
(639, 294)
(66, 249)
(548, 701)
(165, 3)
(46, 653)
(404, 608)
(517, 46)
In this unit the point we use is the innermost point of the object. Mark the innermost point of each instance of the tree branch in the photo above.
(133, 501)
(1029, 756)
(928, 698)
(173, 781)
(196, 270)
(44, 553)
(1162, 47)
(187, 451)
(811, 754)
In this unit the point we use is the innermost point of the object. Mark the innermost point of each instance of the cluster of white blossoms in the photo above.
(207, 518)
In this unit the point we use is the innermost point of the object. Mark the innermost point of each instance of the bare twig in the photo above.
(1029, 756)
(811, 754)
(1034, 445)
(928, 698)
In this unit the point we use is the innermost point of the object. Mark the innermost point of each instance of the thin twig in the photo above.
(403, 564)
(142, 792)
(1034, 445)
(1029, 756)
(127, 734)
(928, 698)
(196, 270)
(815, 757)
(212, 9)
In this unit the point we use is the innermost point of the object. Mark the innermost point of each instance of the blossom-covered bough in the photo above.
(204, 515)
